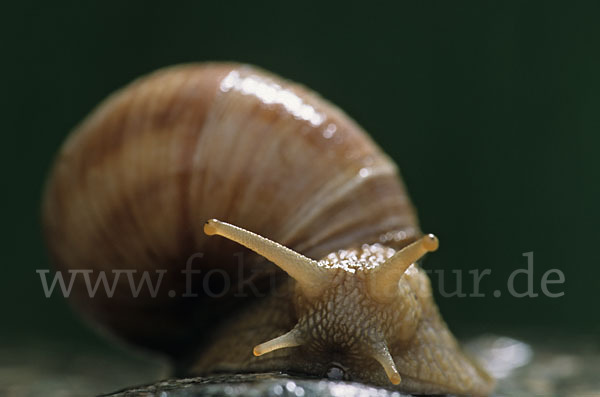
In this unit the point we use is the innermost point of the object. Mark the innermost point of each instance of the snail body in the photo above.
(133, 185)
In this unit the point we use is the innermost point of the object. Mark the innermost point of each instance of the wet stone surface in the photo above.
(267, 384)
(560, 366)
(521, 370)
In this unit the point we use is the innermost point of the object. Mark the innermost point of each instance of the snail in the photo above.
(328, 282)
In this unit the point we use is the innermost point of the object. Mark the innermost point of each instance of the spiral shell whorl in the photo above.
(133, 185)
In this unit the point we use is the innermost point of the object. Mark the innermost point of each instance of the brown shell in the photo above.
(134, 183)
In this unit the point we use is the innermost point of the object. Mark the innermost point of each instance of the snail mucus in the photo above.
(189, 153)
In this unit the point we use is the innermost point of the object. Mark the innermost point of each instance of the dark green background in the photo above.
(492, 111)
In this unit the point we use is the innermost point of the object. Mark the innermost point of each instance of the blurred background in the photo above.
(491, 110)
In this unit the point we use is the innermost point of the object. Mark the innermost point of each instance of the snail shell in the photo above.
(134, 183)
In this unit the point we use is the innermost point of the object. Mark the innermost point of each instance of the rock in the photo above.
(264, 384)
(560, 365)
(553, 368)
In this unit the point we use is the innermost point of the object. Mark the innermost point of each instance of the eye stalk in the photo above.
(383, 280)
(307, 272)
(431, 242)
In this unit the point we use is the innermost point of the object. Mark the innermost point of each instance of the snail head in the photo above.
(352, 301)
